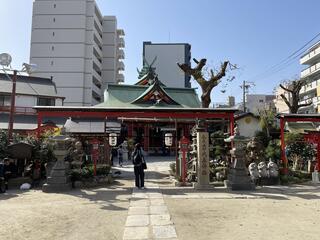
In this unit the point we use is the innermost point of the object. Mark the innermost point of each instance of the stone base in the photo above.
(52, 188)
(202, 187)
(181, 184)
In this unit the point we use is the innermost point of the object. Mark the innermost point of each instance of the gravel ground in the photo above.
(98, 213)
(262, 219)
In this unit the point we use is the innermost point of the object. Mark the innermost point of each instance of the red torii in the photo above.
(129, 112)
(313, 137)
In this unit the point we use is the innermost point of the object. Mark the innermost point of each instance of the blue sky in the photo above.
(252, 34)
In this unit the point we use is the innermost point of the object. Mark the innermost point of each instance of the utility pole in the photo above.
(245, 90)
(12, 106)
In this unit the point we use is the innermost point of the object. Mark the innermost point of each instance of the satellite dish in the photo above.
(5, 59)
(29, 68)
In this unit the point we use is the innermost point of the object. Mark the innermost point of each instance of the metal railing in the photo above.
(19, 110)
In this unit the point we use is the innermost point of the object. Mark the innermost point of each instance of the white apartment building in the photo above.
(70, 43)
(167, 56)
(280, 105)
(311, 90)
(112, 52)
(258, 102)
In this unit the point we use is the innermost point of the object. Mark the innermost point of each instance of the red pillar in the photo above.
(283, 155)
(318, 154)
(231, 119)
(231, 126)
(39, 118)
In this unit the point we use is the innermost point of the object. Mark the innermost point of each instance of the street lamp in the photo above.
(5, 62)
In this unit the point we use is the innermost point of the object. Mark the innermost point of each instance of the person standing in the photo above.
(120, 155)
(138, 160)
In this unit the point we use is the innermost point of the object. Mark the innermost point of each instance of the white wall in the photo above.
(64, 35)
(248, 126)
(166, 64)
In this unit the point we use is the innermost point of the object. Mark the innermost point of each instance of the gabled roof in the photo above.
(125, 95)
(27, 85)
(155, 94)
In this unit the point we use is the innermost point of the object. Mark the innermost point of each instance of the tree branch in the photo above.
(214, 80)
(286, 89)
(285, 100)
(304, 105)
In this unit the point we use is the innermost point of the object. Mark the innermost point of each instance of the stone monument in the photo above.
(57, 180)
(203, 170)
(238, 178)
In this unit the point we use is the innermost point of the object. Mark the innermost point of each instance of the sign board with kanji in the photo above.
(203, 158)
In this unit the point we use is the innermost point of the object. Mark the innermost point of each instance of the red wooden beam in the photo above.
(135, 114)
(282, 142)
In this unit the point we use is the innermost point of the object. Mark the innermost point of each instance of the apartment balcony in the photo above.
(96, 91)
(19, 110)
(96, 78)
(97, 51)
(120, 32)
(98, 63)
(307, 88)
(312, 56)
(121, 43)
(120, 66)
(120, 54)
(311, 71)
(120, 78)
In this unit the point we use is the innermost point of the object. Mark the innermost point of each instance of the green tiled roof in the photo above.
(123, 95)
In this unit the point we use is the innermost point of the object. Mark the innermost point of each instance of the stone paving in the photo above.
(148, 215)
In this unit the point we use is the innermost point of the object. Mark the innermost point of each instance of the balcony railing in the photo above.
(310, 70)
(311, 54)
(19, 110)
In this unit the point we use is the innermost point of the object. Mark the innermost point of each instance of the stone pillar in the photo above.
(203, 171)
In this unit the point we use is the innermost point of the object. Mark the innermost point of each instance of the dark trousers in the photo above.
(120, 160)
(139, 173)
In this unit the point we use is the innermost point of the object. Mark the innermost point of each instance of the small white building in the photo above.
(248, 124)
(30, 91)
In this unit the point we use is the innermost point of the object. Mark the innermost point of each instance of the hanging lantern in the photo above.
(168, 139)
(113, 139)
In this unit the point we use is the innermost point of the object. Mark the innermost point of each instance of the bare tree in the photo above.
(294, 88)
(206, 85)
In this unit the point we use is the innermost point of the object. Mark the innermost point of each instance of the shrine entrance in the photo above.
(145, 125)
(312, 137)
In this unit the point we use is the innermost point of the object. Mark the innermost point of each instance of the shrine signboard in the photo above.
(203, 159)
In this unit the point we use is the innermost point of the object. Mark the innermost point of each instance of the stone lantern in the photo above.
(238, 178)
(57, 180)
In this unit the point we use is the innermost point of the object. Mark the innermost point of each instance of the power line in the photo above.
(285, 62)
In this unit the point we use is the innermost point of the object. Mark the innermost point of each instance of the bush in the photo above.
(88, 172)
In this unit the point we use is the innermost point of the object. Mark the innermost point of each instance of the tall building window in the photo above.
(54, 19)
(52, 48)
(51, 63)
(5, 100)
(54, 5)
(43, 101)
(52, 33)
